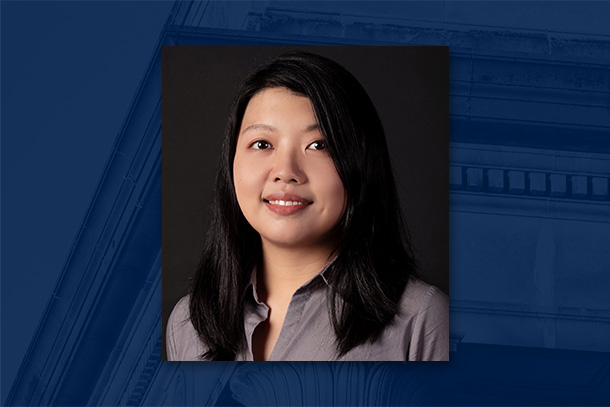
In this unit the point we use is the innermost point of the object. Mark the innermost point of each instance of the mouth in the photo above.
(286, 204)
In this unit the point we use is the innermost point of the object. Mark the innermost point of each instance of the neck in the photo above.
(284, 270)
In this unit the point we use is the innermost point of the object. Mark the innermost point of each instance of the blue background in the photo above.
(81, 227)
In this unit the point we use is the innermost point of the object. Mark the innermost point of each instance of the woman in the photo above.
(307, 256)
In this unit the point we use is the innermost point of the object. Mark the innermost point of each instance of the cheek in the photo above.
(246, 178)
(339, 199)
(334, 192)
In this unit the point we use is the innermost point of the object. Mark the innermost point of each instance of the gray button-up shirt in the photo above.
(419, 332)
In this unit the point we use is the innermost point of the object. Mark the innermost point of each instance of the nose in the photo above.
(287, 167)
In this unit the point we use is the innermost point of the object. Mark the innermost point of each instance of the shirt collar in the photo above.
(307, 285)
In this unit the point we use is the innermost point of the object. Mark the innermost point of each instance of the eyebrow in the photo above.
(311, 127)
(268, 127)
(258, 126)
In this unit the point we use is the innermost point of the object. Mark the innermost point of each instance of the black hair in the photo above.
(374, 258)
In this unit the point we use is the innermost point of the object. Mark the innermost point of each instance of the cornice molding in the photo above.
(317, 20)
(549, 179)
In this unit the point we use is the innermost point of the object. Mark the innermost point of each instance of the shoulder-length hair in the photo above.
(374, 259)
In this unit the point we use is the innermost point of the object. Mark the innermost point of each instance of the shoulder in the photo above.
(426, 308)
(182, 341)
(180, 313)
(424, 298)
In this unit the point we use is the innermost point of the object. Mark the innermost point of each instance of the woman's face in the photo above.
(285, 180)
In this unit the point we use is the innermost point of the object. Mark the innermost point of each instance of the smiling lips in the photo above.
(286, 204)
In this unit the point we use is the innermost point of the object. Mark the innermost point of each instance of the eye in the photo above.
(260, 145)
(317, 145)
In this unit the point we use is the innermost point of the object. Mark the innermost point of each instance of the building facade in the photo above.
(529, 173)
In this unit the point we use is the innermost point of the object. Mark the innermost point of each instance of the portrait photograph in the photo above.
(305, 203)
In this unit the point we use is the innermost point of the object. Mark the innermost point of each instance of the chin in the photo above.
(288, 241)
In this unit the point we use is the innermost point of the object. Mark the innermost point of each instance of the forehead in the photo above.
(278, 106)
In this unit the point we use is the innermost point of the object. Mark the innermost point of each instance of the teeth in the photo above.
(285, 203)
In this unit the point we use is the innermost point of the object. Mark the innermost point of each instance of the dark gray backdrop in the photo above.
(409, 87)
